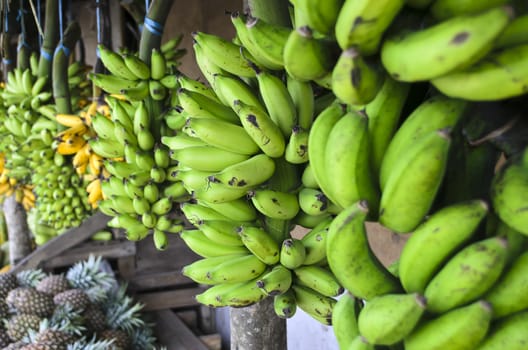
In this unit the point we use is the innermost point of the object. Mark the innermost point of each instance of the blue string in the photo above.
(147, 4)
(63, 48)
(39, 22)
(47, 56)
(153, 26)
(98, 20)
(61, 31)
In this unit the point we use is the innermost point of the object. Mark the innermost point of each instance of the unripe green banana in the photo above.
(314, 304)
(260, 243)
(315, 242)
(507, 183)
(194, 85)
(119, 113)
(515, 33)
(103, 126)
(296, 151)
(221, 231)
(456, 43)
(313, 201)
(443, 9)
(199, 270)
(138, 92)
(196, 213)
(207, 158)
(219, 194)
(351, 259)
(292, 253)
(123, 135)
(384, 113)
(221, 134)
(158, 64)
(319, 279)
(268, 42)
(436, 240)
(412, 187)
(246, 174)
(284, 304)
(239, 209)
(507, 68)
(230, 89)
(199, 243)
(389, 318)
(362, 23)
(317, 139)
(347, 160)
(107, 148)
(207, 67)
(201, 106)
(508, 333)
(509, 295)
(137, 66)
(176, 190)
(225, 54)
(308, 178)
(459, 329)
(160, 239)
(275, 282)
(157, 90)
(435, 113)
(141, 205)
(317, 58)
(258, 124)
(141, 118)
(238, 269)
(111, 83)
(467, 275)
(355, 81)
(181, 140)
(277, 100)
(360, 343)
(344, 320)
(302, 96)
(115, 63)
(151, 192)
(231, 294)
(275, 204)
(320, 16)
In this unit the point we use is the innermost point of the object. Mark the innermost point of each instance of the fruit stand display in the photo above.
(328, 116)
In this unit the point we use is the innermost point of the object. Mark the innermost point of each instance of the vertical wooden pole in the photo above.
(17, 230)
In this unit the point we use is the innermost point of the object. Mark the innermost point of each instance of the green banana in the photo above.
(275, 204)
(315, 242)
(319, 279)
(221, 134)
(509, 294)
(275, 282)
(459, 329)
(354, 80)
(115, 63)
(181, 140)
(296, 151)
(158, 64)
(206, 66)
(507, 68)
(347, 160)
(201, 106)
(194, 85)
(238, 269)
(199, 243)
(313, 201)
(207, 158)
(113, 84)
(450, 45)
(317, 60)
(362, 23)
(314, 304)
(219, 194)
(508, 333)
(258, 124)
(277, 100)
(196, 213)
(436, 240)
(230, 89)
(321, 16)
(103, 126)
(221, 231)
(292, 253)
(317, 139)
(284, 304)
(443, 9)
(467, 275)
(515, 33)
(302, 95)
(137, 66)
(344, 320)
(225, 54)
(201, 270)
(246, 174)
(507, 183)
(350, 258)
(435, 113)
(360, 343)
(260, 243)
(388, 319)
(420, 171)
(238, 209)
(384, 113)
(231, 294)
(107, 148)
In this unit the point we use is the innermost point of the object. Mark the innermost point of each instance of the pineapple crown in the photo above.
(65, 318)
(143, 338)
(88, 274)
(30, 278)
(122, 312)
(91, 344)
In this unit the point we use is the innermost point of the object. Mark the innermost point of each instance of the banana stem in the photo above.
(51, 38)
(8, 55)
(271, 11)
(61, 90)
(153, 28)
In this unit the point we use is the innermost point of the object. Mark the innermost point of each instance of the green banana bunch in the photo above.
(314, 304)
(444, 47)
(389, 318)
(461, 328)
(467, 275)
(350, 258)
(508, 333)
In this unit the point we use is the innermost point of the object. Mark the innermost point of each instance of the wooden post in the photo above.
(17, 230)
(257, 327)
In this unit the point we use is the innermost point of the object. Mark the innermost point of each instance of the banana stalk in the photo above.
(153, 28)
(61, 91)
(51, 38)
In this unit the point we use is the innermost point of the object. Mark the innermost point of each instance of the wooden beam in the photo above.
(153, 280)
(173, 333)
(172, 299)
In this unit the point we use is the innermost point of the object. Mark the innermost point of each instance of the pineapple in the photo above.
(76, 298)
(4, 310)
(54, 338)
(143, 338)
(15, 346)
(18, 326)
(4, 338)
(8, 282)
(94, 318)
(30, 301)
(121, 338)
(53, 284)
